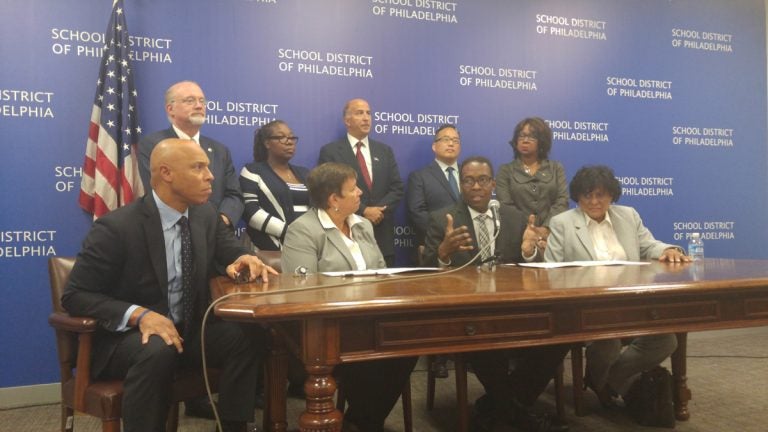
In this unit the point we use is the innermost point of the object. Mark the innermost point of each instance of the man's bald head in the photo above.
(180, 174)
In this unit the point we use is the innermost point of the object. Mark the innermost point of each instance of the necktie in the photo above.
(452, 183)
(483, 237)
(363, 166)
(187, 295)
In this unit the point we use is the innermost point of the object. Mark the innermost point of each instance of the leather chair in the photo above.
(98, 398)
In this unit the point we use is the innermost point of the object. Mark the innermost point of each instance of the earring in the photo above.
(336, 209)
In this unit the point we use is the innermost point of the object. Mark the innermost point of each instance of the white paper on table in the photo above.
(580, 263)
(381, 272)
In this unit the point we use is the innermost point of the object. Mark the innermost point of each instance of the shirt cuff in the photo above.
(532, 257)
(127, 316)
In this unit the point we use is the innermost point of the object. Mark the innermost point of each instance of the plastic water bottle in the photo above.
(696, 247)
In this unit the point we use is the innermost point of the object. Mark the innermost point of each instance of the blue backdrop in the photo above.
(672, 94)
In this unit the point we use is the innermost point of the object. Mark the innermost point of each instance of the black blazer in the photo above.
(428, 190)
(387, 189)
(122, 262)
(508, 243)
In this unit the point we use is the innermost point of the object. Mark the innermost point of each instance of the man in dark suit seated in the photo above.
(185, 107)
(377, 173)
(455, 236)
(143, 272)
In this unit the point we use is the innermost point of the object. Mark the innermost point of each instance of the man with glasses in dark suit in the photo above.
(456, 235)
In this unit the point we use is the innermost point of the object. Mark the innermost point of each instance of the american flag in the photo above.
(111, 169)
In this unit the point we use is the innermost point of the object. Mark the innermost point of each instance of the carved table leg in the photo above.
(321, 414)
(274, 383)
(320, 342)
(681, 392)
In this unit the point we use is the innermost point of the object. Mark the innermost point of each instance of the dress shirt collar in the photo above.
(443, 166)
(180, 133)
(353, 141)
(589, 221)
(474, 213)
(327, 223)
(168, 215)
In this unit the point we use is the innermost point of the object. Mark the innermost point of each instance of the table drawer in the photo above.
(643, 315)
(463, 329)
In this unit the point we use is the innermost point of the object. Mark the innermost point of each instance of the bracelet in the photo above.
(141, 315)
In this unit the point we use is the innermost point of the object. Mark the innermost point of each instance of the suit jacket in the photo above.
(308, 244)
(508, 243)
(226, 195)
(428, 190)
(387, 187)
(569, 238)
(122, 262)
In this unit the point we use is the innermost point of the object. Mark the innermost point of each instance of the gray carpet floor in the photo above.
(727, 373)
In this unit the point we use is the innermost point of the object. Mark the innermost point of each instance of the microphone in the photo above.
(494, 206)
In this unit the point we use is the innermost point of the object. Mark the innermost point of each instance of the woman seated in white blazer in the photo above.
(331, 237)
(600, 230)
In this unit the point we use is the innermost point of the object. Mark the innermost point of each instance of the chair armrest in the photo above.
(62, 321)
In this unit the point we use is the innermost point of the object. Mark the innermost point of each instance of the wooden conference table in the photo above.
(375, 317)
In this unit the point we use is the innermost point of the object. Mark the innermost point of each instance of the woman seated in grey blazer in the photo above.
(600, 230)
(331, 237)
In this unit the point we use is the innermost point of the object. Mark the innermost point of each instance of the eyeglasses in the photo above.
(192, 100)
(529, 137)
(285, 139)
(483, 181)
(446, 139)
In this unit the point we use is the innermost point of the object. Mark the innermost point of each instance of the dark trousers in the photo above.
(148, 371)
(533, 368)
(372, 389)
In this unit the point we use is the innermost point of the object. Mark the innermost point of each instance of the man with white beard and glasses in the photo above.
(185, 108)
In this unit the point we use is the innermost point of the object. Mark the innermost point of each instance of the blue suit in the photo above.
(226, 195)
(428, 190)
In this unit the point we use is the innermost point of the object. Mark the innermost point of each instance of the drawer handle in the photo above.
(655, 314)
(469, 330)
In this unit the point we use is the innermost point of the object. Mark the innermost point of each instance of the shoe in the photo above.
(608, 398)
(199, 407)
(483, 417)
(516, 415)
(527, 420)
(439, 367)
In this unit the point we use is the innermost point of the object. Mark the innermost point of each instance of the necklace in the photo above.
(530, 170)
(285, 173)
